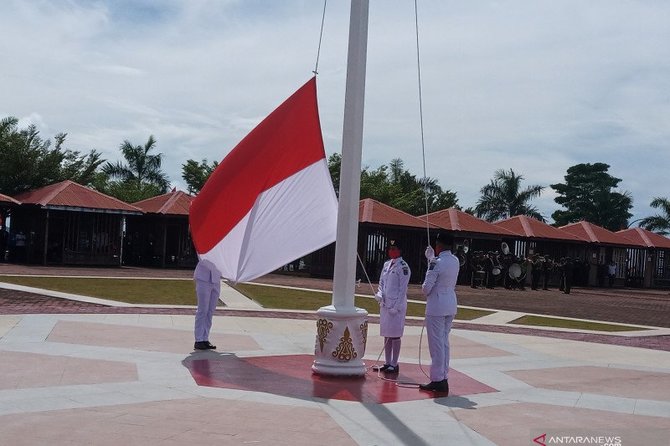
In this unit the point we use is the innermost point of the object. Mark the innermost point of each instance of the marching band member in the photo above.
(489, 265)
(392, 298)
(547, 267)
(536, 271)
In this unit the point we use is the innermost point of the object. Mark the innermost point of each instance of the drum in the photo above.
(514, 271)
(496, 271)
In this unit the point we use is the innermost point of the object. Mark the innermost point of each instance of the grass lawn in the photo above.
(182, 292)
(542, 321)
(286, 298)
(132, 291)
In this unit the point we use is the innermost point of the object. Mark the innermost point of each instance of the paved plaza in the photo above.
(129, 376)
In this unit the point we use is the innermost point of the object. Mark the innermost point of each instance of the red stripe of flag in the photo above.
(285, 142)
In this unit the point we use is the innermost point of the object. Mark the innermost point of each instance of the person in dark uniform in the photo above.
(4, 238)
(507, 261)
(602, 272)
(488, 267)
(536, 271)
(547, 267)
(568, 271)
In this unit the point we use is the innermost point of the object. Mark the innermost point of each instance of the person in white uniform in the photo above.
(392, 298)
(439, 287)
(208, 288)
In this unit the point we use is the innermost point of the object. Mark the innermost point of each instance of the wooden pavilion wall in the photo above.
(156, 240)
(661, 268)
(67, 237)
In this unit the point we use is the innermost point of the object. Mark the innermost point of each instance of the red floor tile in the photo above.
(292, 376)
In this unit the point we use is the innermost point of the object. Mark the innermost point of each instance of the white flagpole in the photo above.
(342, 328)
(350, 171)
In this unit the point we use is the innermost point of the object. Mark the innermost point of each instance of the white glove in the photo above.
(378, 297)
(430, 253)
(393, 311)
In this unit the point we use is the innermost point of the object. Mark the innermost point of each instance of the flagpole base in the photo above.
(340, 341)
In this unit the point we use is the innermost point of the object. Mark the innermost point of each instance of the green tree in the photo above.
(30, 162)
(334, 166)
(375, 184)
(195, 174)
(140, 177)
(81, 169)
(659, 223)
(587, 195)
(504, 198)
(397, 187)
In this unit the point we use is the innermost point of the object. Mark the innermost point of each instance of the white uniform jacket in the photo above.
(392, 295)
(439, 287)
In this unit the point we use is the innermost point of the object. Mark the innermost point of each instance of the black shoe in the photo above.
(436, 386)
(383, 368)
(203, 345)
(393, 369)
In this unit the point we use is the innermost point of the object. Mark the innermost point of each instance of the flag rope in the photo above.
(423, 143)
(318, 50)
(425, 194)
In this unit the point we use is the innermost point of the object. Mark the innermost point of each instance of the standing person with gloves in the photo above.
(439, 287)
(392, 298)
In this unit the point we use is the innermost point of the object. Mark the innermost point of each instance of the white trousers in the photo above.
(208, 296)
(438, 328)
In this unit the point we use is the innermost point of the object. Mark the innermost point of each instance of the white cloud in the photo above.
(532, 86)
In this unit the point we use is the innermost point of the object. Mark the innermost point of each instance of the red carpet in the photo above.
(292, 376)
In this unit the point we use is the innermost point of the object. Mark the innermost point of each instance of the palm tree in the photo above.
(658, 223)
(503, 198)
(140, 176)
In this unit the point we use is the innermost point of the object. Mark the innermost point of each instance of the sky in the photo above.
(534, 86)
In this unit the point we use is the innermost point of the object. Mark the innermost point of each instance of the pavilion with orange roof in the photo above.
(606, 245)
(541, 238)
(67, 223)
(161, 236)
(657, 259)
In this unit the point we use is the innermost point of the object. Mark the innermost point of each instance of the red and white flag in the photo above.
(271, 200)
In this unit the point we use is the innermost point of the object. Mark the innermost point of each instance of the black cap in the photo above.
(393, 244)
(445, 239)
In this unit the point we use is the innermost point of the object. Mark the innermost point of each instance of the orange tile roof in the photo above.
(68, 194)
(7, 199)
(530, 227)
(456, 220)
(372, 211)
(596, 234)
(172, 203)
(646, 238)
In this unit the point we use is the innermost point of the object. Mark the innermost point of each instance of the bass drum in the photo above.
(514, 271)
